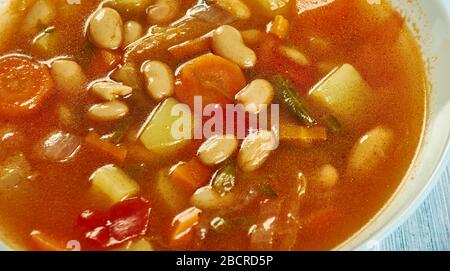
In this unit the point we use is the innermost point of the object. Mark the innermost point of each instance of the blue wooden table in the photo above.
(429, 227)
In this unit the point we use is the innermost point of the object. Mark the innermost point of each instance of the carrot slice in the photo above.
(182, 225)
(214, 78)
(24, 85)
(44, 242)
(191, 175)
(191, 48)
(117, 153)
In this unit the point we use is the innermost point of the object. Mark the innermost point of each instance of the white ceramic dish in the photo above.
(432, 20)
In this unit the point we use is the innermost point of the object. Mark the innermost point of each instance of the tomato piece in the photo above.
(99, 236)
(24, 85)
(129, 219)
(214, 78)
(126, 220)
(92, 219)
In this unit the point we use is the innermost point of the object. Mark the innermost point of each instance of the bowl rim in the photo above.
(402, 215)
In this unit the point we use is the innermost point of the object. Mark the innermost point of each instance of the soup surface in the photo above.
(90, 158)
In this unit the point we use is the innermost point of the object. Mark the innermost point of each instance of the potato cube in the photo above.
(345, 94)
(114, 183)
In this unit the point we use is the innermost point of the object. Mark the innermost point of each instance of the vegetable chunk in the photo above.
(114, 183)
(159, 135)
(345, 94)
(370, 150)
(24, 86)
(214, 78)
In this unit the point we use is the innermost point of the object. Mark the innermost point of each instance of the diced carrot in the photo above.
(312, 134)
(182, 224)
(303, 134)
(191, 175)
(117, 153)
(279, 27)
(214, 78)
(45, 242)
(191, 48)
(24, 86)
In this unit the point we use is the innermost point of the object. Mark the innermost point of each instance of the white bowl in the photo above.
(432, 19)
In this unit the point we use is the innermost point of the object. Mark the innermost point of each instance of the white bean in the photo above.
(228, 43)
(236, 7)
(217, 149)
(110, 90)
(370, 150)
(160, 81)
(108, 111)
(69, 77)
(13, 171)
(255, 150)
(295, 55)
(327, 176)
(132, 31)
(256, 95)
(163, 11)
(206, 198)
(106, 29)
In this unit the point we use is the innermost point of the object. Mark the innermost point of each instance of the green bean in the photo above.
(288, 94)
(119, 132)
(267, 190)
(332, 123)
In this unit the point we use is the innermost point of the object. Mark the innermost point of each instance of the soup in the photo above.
(115, 132)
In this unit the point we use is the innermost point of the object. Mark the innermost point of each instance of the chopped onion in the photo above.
(59, 146)
(11, 139)
(13, 171)
(278, 220)
(263, 233)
